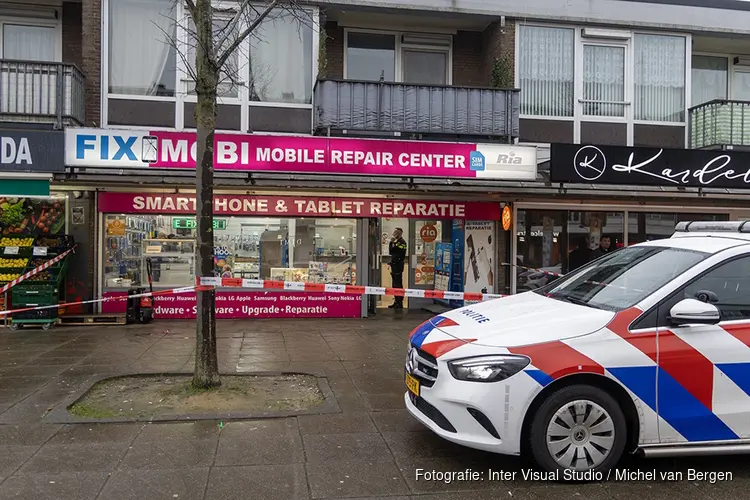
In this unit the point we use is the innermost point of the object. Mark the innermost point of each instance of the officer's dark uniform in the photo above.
(397, 251)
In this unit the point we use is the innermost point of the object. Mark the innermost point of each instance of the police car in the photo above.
(644, 350)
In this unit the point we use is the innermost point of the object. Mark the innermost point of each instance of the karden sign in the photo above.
(37, 151)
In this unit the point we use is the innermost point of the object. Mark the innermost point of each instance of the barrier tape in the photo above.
(173, 291)
(299, 286)
(37, 270)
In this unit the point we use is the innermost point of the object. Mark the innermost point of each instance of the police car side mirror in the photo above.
(694, 312)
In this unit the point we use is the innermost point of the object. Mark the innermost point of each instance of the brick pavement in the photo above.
(369, 450)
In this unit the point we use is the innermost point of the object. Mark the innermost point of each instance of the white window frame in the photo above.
(400, 46)
(617, 38)
(731, 70)
(55, 24)
(181, 96)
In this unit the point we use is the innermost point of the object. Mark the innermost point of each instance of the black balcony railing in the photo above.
(719, 123)
(41, 92)
(415, 109)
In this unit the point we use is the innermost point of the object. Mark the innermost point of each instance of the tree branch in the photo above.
(222, 58)
(190, 7)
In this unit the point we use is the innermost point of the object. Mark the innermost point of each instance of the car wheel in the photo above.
(580, 428)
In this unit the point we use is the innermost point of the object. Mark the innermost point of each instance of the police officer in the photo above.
(397, 251)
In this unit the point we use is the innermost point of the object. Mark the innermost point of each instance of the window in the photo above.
(371, 57)
(303, 249)
(226, 32)
(142, 57)
(29, 43)
(623, 278)
(659, 78)
(280, 66)
(709, 79)
(727, 287)
(546, 70)
(603, 80)
(645, 70)
(424, 59)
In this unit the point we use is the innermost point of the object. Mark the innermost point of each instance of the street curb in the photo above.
(60, 414)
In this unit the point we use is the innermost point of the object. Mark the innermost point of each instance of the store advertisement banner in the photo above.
(39, 151)
(291, 206)
(478, 256)
(586, 163)
(244, 305)
(300, 154)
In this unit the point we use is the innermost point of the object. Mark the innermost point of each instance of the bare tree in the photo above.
(217, 33)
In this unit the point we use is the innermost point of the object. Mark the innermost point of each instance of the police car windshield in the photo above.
(622, 278)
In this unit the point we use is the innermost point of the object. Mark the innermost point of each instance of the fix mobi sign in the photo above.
(300, 154)
(294, 206)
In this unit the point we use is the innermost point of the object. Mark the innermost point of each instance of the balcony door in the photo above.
(27, 87)
(418, 59)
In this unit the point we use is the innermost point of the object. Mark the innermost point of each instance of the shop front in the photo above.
(656, 189)
(311, 239)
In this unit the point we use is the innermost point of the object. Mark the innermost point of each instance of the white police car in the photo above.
(643, 350)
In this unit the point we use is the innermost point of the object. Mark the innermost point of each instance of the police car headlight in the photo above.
(487, 368)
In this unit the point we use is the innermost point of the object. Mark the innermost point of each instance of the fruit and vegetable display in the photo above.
(7, 263)
(8, 276)
(31, 216)
(41, 276)
(16, 242)
(49, 242)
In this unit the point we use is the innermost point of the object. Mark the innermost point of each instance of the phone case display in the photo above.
(338, 273)
(172, 261)
(123, 250)
(443, 268)
(246, 267)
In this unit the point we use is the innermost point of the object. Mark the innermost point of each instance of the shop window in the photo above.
(302, 250)
(709, 79)
(557, 242)
(225, 30)
(142, 57)
(647, 226)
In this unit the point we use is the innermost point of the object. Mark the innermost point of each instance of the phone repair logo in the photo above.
(476, 161)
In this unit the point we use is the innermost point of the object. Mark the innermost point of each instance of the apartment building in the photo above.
(496, 135)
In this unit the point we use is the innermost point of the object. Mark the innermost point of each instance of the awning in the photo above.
(24, 187)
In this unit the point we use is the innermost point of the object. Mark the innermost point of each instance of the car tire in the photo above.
(599, 424)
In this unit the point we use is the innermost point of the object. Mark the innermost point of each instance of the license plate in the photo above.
(412, 384)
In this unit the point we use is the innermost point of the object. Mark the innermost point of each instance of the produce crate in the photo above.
(13, 262)
(9, 274)
(23, 296)
(48, 315)
(55, 245)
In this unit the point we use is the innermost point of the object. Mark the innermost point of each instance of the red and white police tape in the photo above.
(298, 286)
(37, 270)
(172, 291)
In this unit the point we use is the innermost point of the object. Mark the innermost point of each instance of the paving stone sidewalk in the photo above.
(372, 449)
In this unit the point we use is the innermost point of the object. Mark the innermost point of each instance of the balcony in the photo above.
(435, 110)
(720, 124)
(41, 92)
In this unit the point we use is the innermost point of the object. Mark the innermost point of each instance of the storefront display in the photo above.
(315, 241)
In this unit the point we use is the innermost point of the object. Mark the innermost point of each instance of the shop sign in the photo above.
(302, 206)
(576, 163)
(428, 233)
(298, 154)
(39, 151)
(507, 218)
(116, 227)
(245, 305)
(191, 223)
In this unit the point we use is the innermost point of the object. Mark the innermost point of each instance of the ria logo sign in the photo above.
(509, 159)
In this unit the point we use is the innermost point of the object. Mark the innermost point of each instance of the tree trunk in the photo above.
(206, 374)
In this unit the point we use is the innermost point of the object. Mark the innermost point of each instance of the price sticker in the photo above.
(11, 250)
(40, 251)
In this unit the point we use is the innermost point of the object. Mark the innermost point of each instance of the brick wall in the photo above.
(468, 64)
(334, 50)
(499, 41)
(71, 33)
(92, 59)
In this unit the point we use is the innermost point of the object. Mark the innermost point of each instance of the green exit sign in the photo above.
(190, 223)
